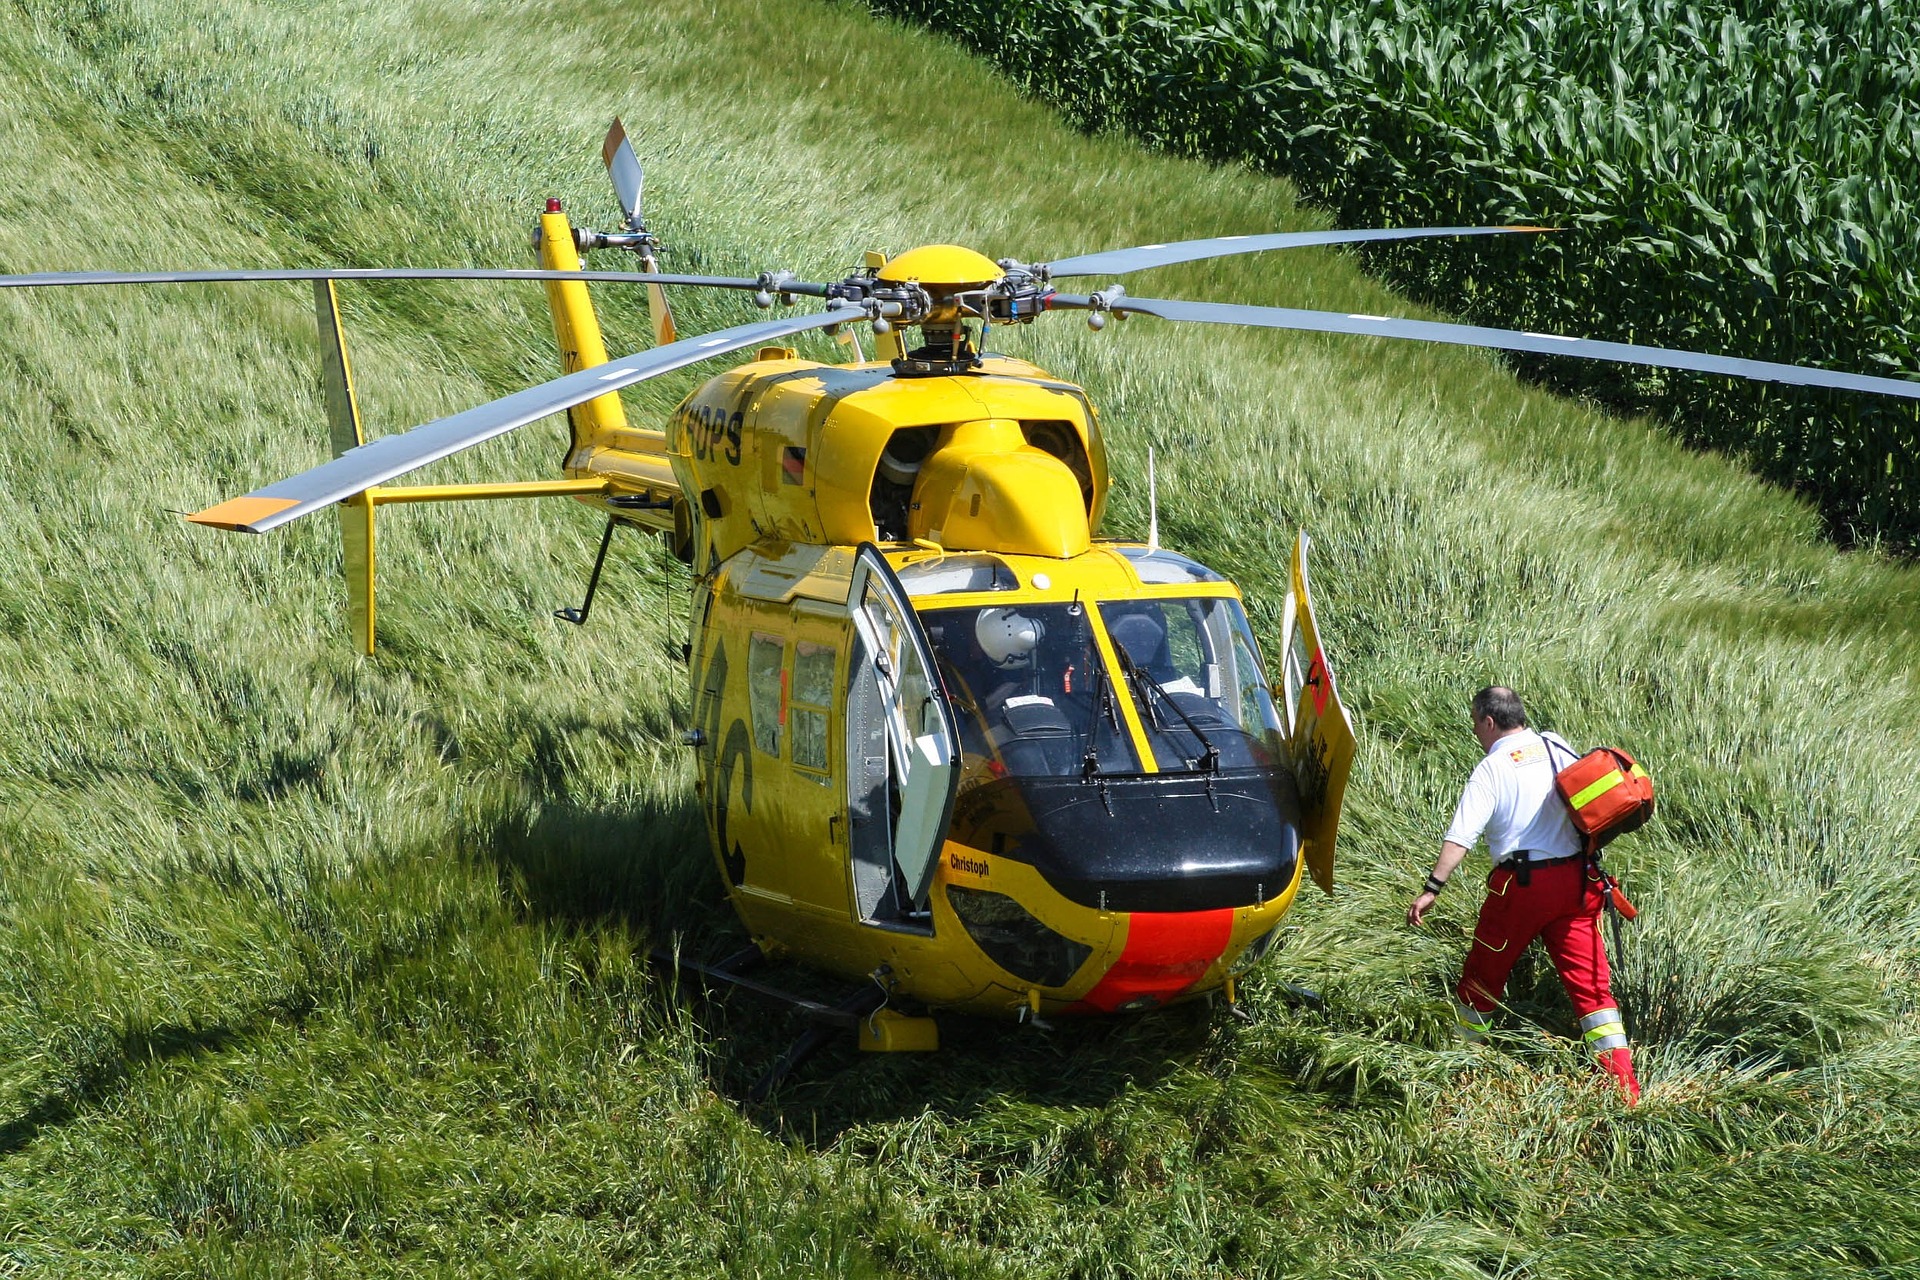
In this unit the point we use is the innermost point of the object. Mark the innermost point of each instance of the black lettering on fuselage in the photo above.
(972, 866)
(713, 433)
(735, 750)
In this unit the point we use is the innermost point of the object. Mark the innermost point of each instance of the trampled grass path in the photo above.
(314, 965)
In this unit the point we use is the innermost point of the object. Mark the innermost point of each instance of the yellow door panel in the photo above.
(1322, 735)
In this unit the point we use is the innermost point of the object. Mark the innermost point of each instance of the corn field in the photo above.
(1730, 176)
(325, 967)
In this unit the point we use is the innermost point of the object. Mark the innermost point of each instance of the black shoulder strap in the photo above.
(1548, 740)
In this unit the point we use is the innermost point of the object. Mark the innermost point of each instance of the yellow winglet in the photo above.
(240, 513)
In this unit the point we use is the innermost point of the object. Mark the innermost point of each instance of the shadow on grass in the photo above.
(644, 864)
(96, 1062)
(641, 862)
(1076, 1063)
(95, 1070)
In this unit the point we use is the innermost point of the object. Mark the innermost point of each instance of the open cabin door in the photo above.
(1320, 735)
(905, 767)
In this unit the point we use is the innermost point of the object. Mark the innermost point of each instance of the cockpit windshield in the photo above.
(1194, 674)
(1033, 698)
(1029, 691)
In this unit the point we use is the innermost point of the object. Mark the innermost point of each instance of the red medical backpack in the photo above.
(1607, 793)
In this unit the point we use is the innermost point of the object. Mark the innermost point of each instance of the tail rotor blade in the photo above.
(657, 309)
(623, 166)
(661, 314)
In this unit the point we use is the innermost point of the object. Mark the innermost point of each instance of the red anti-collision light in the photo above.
(553, 206)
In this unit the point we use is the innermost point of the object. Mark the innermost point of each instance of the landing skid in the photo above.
(827, 1019)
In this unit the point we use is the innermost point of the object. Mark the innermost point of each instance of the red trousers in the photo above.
(1561, 906)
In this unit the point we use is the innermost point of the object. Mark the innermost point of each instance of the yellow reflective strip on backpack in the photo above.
(1599, 787)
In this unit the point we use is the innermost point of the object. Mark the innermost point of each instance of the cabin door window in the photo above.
(903, 762)
(813, 669)
(767, 690)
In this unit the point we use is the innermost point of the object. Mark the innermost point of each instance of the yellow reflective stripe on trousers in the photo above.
(1604, 1030)
(1598, 787)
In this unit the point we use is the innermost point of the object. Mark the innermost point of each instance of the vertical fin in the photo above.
(576, 328)
(345, 432)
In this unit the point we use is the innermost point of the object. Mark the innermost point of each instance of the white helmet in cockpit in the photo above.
(1007, 637)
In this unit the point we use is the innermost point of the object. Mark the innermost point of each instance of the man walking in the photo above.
(1541, 887)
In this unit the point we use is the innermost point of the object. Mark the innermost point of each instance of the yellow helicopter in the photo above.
(949, 738)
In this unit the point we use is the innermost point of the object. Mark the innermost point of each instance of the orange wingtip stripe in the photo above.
(1522, 227)
(238, 513)
(615, 136)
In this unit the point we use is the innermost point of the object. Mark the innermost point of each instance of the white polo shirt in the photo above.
(1510, 798)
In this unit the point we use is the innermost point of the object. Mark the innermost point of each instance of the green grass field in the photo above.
(313, 965)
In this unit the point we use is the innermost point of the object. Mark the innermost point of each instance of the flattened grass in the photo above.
(315, 965)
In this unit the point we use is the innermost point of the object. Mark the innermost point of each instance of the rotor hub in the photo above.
(941, 268)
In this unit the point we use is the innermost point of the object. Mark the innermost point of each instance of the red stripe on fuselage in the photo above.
(1166, 952)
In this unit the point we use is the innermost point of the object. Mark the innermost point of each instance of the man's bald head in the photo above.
(1500, 703)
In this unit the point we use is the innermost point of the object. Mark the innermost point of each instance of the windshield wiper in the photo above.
(1102, 706)
(1209, 761)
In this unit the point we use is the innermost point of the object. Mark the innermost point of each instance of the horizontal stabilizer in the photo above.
(383, 459)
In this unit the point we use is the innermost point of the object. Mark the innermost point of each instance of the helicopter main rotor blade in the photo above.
(1467, 335)
(1116, 262)
(383, 459)
(623, 166)
(58, 279)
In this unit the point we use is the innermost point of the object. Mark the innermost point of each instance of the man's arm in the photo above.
(1443, 868)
